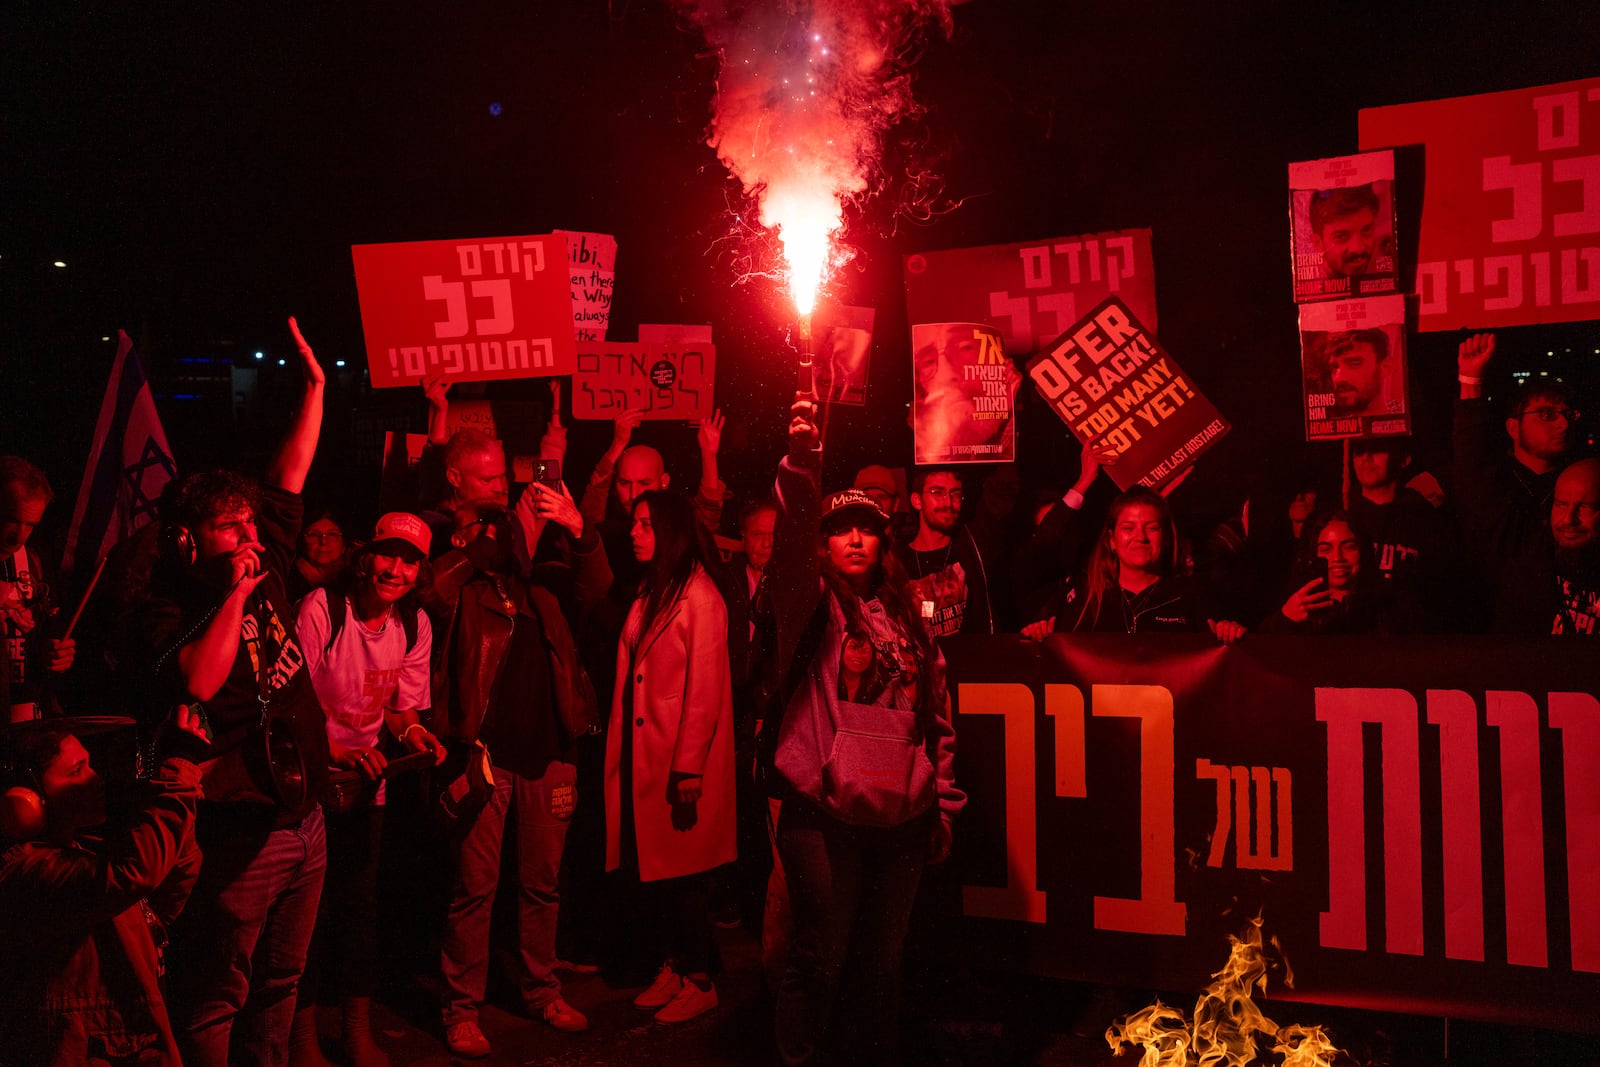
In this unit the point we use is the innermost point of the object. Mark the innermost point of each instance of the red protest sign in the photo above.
(469, 310)
(1511, 206)
(1109, 378)
(658, 380)
(1032, 290)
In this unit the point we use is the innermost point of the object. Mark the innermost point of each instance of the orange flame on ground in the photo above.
(804, 93)
(1226, 1020)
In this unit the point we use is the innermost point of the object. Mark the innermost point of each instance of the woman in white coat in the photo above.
(669, 750)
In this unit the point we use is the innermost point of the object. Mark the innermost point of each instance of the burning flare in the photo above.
(1226, 1020)
(804, 92)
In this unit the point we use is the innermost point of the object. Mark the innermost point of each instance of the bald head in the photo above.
(1575, 506)
(639, 470)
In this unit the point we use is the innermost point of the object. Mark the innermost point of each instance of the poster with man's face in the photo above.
(843, 345)
(1341, 214)
(964, 389)
(1353, 363)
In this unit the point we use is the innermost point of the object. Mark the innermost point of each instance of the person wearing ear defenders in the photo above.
(83, 916)
(219, 635)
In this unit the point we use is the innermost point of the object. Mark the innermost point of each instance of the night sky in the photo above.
(204, 170)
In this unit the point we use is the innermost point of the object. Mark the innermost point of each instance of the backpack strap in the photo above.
(338, 608)
(408, 622)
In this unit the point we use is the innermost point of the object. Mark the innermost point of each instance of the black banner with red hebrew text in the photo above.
(1418, 821)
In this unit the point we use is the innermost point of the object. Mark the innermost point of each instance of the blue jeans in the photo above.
(241, 944)
(541, 834)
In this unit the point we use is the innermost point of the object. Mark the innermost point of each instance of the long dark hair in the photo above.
(891, 585)
(1105, 569)
(680, 548)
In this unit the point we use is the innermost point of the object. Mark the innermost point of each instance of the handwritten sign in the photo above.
(592, 266)
(1109, 378)
(1341, 216)
(470, 310)
(1032, 290)
(1353, 362)
(659, 381)
(1510, 228)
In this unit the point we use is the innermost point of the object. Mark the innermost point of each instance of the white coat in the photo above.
(683, 721)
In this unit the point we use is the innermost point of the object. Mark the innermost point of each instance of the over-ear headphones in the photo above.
(22, 816)
(177, 543)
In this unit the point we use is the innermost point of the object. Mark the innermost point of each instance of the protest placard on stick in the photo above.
(1341, 227)
(1353, 363)
(1108, 378)
(470, 310)
(965, 403)
(592, 273)
(657, 380)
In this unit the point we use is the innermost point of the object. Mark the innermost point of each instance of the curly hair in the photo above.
(209, 494)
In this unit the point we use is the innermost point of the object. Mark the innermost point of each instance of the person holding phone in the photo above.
(1337, 586)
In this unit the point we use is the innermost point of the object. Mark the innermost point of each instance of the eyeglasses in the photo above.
(1552, 414)
(939, 492)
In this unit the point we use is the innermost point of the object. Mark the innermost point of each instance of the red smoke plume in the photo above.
(805, 90)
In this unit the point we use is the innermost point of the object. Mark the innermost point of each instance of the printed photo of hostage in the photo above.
(1354, 373)
(1343, 227)
(965, 391)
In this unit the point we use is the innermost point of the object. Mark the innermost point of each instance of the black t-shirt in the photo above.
(268, 663)
(949, 586)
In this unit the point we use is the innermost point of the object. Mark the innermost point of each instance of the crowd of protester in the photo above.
(673, 732)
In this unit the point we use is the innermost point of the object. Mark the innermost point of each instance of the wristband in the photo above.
(414, 726)
(1073, 499)
(1467, 379)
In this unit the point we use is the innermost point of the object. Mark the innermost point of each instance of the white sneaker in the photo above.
(661, 991)
(691, 1001)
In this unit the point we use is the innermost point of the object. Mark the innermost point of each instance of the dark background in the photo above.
(202, 171)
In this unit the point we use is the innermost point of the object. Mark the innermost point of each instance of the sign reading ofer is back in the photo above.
(1109, 379)
(1414, 819)
(470, 310)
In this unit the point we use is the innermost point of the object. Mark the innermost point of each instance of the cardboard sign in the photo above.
(1510, 228)
(470, 310)
(1032, 290)
(1341, 227)
(592, 273)
(1353, 364)
(1109, 378)
(965, 395)
(842, 346)
(659, 381)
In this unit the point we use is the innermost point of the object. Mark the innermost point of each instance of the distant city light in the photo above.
(261, 355)
(59, 263)
(495, 109)
(106, 338)
(283, 363)
(338, 363)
